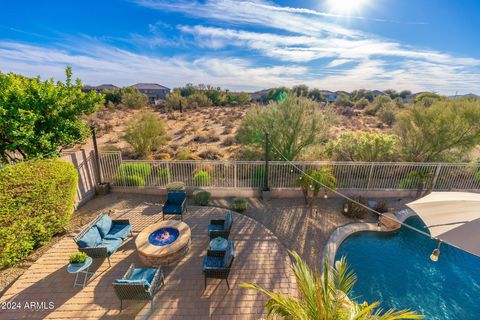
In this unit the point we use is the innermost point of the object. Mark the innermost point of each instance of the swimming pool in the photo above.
(395, 268)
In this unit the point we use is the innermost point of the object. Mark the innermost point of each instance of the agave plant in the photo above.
(325, 297)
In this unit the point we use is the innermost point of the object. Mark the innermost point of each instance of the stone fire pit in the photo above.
(163, 243)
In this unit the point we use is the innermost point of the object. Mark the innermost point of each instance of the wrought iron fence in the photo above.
(250, 174)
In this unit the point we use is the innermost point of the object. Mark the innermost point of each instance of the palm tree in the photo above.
(325, 297)
(312, 181)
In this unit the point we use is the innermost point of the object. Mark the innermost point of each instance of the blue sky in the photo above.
(248, 45)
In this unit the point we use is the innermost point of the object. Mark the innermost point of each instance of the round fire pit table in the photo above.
(163, 243)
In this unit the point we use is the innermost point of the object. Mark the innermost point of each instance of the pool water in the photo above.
(395, 269)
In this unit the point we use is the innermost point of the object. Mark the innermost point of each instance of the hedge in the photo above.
(36, 202)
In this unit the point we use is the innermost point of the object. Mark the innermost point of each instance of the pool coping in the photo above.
(341, 233)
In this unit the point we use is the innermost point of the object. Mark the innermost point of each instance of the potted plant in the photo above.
(102, 188)
(77, 258)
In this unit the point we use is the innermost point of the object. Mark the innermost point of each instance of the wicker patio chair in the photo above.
(218, 267)
(176, 204)
(139, 284)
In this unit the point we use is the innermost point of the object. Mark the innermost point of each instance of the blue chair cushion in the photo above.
(91, 238)
(176, 197)
(228, 221)
(104, 224)
(128, 281)
(143, 274)
(111, 244)
(214, 227)
(119, 231)
(172, 209)
(212, 262)
(227, 258)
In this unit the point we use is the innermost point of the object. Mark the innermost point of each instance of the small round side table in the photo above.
(78, 268)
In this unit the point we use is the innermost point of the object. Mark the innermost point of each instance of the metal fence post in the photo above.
(435, 177)
(370, 175)
(235, 175)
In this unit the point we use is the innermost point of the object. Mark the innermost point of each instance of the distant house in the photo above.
(99, 88)
(153, 91)
(378, 93)
(329, 96)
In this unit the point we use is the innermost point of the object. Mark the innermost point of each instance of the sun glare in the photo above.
(346, 7)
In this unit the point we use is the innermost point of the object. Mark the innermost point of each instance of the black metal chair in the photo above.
(139, 284)
(221, 227)
(217, 266)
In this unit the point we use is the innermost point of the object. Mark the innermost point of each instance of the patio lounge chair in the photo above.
(218, 267)
(175, 204)
(139, 284)
(103, 236)
(221, 228)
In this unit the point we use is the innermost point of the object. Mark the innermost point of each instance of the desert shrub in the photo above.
(381, 206)
(202, 178)
(361, 104)
(184, 155)
(228, 141)
(139, 169)
(77, 257)
(343, 101)
(198, 99)
(133, 99)
(211, 154)
(387, 114)
(200, 138)
(377, 104)
(174, 101)
(176, 186)
(132, 180)
(363, 146)
(239, 204)
(146, 133)
(410, 182)
(201, 197)
(164, 174)
(36, 202)
(355, 211)
(237, 98)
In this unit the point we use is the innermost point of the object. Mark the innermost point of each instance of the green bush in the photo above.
(36, 202)
(202, 178)
(201, 197)
(164, 174)
(176, 186)
(78, 257)
(130, 180)
(410, 182)
(138, 169)
(258, 176)
(145, 133)
(239, 204)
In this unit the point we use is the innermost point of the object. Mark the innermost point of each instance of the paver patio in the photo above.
(259, 258)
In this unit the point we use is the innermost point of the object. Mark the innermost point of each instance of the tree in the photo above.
(133, 99)
(363, 146)
(312, 181)
(324, 297)
(300, 90)
(343, 101)
(446, 131)
(146, 133)
(38, 118)
(426, 99)
(175, 101)
(378, 103)
(405, 93)
(293, 125)
(316, 95)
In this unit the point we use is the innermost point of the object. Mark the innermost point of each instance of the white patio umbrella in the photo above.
(452, 217)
